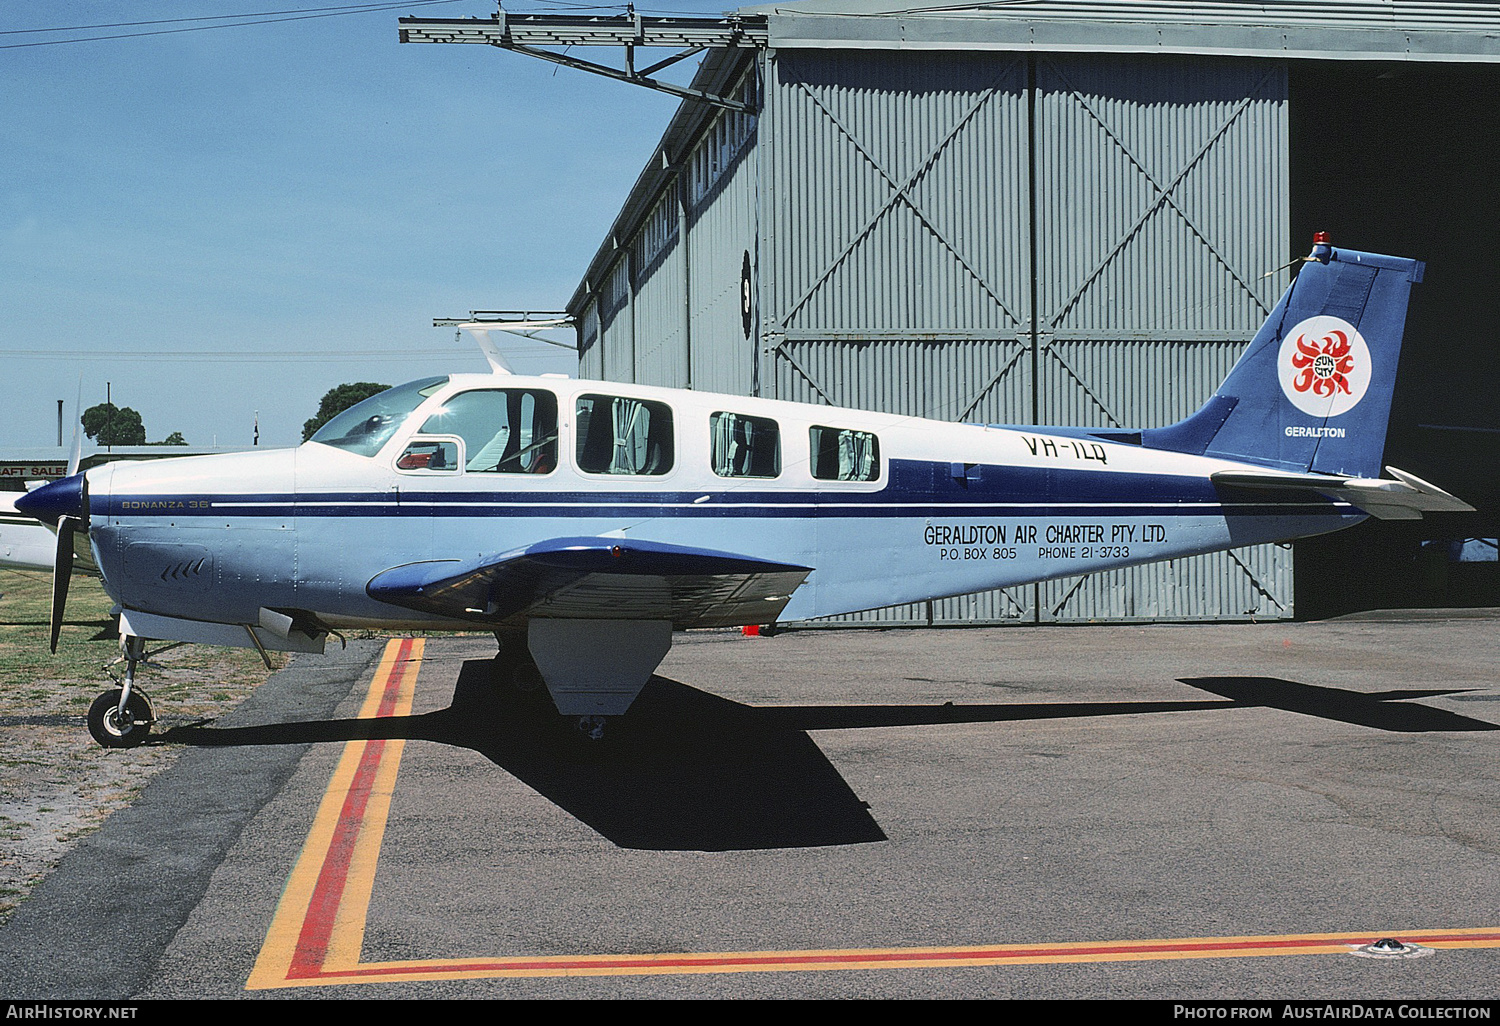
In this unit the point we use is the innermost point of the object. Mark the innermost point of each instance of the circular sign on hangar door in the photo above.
(746, 305)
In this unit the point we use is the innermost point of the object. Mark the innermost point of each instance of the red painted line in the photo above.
(890, 957)
(317, 929)
(322, 913)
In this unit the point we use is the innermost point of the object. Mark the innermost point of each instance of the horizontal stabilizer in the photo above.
(597, 578)
(1405, 498)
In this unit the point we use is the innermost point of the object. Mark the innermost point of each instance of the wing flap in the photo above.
(597, 578)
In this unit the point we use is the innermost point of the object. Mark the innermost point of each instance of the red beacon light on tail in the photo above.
(1322, 247)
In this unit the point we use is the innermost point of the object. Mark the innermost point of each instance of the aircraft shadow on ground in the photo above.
(106, 629)
(1383, 710)
(690, 771)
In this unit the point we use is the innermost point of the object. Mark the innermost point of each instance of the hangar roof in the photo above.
(1371, 30)
(1317, 29)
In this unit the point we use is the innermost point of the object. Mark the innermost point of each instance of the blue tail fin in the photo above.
(1313, 391)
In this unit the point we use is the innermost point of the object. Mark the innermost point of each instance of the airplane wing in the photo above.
(1405, 498)
(593, 578)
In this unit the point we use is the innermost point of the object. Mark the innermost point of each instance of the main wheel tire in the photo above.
(112, 730)
(591, 728)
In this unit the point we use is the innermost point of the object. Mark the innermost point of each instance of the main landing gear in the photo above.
(122, 716)
(513, 665)
(592, 727)
(592, 669)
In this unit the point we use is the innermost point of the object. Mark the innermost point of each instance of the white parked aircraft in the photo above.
(584, 521)
(25, 542)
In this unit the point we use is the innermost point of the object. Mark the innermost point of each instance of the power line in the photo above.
(383, 5)
(229, 21)
(231, 356)
(216, 17)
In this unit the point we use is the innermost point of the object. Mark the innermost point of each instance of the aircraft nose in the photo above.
(55, 500)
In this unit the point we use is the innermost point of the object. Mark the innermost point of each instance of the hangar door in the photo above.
(1008, 239)
(896, 274)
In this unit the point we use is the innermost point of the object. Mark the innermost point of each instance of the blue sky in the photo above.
(309, 187)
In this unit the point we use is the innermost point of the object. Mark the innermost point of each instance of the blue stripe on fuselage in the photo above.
(915, 489)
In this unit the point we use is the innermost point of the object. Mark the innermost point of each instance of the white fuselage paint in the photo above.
(955, 509)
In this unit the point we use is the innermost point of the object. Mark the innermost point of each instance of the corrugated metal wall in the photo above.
(669, 311)
(720, 193)
(617, 325)
(897, 273)
(590, 353)
(886, 201)
(1162, 202)
(659, 278)
(897, 248)
(896, 194)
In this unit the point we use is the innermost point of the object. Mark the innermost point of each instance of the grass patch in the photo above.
(55, 783)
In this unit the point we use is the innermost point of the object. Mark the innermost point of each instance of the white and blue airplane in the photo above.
(583, 522)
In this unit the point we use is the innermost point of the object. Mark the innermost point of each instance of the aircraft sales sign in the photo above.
(16, 471)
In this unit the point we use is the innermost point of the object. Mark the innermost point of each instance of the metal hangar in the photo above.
(1053, 212)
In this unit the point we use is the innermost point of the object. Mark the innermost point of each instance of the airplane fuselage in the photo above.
(584, 521)
(886, 509)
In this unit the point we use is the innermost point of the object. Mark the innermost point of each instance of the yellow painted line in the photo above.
(318, 930)
(320, 921)
(679, 963)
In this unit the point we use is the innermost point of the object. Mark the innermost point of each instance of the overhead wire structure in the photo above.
(222, 21)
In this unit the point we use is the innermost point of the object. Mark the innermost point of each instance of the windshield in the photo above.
(364, 427)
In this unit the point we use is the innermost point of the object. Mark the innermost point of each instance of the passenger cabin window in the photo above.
(623, 436)
(839, 454)
(505, 430)
(744, 446)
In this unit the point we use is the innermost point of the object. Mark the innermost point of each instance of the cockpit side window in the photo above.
(365, 427)
(505, 430)
(617, 435)
(430, 455)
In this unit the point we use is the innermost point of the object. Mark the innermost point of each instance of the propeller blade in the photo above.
(62, 573)
(75, 456)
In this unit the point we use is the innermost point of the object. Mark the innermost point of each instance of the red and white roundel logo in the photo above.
(1324, 366)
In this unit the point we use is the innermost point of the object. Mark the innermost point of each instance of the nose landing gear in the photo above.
(117, 721)
(122, 716)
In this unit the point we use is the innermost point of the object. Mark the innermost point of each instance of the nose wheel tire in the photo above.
(114, 729)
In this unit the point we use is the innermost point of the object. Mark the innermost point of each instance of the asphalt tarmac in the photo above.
(1184, 812)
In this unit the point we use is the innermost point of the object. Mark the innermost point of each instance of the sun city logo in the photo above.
(1324, 366)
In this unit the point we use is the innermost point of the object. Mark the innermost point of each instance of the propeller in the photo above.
(66, 504)
(62, 574)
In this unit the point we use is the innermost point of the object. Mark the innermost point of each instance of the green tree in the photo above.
(109, 424)
(337, 400)
(175, 438)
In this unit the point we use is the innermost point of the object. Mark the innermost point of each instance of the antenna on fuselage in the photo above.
(483, 325)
